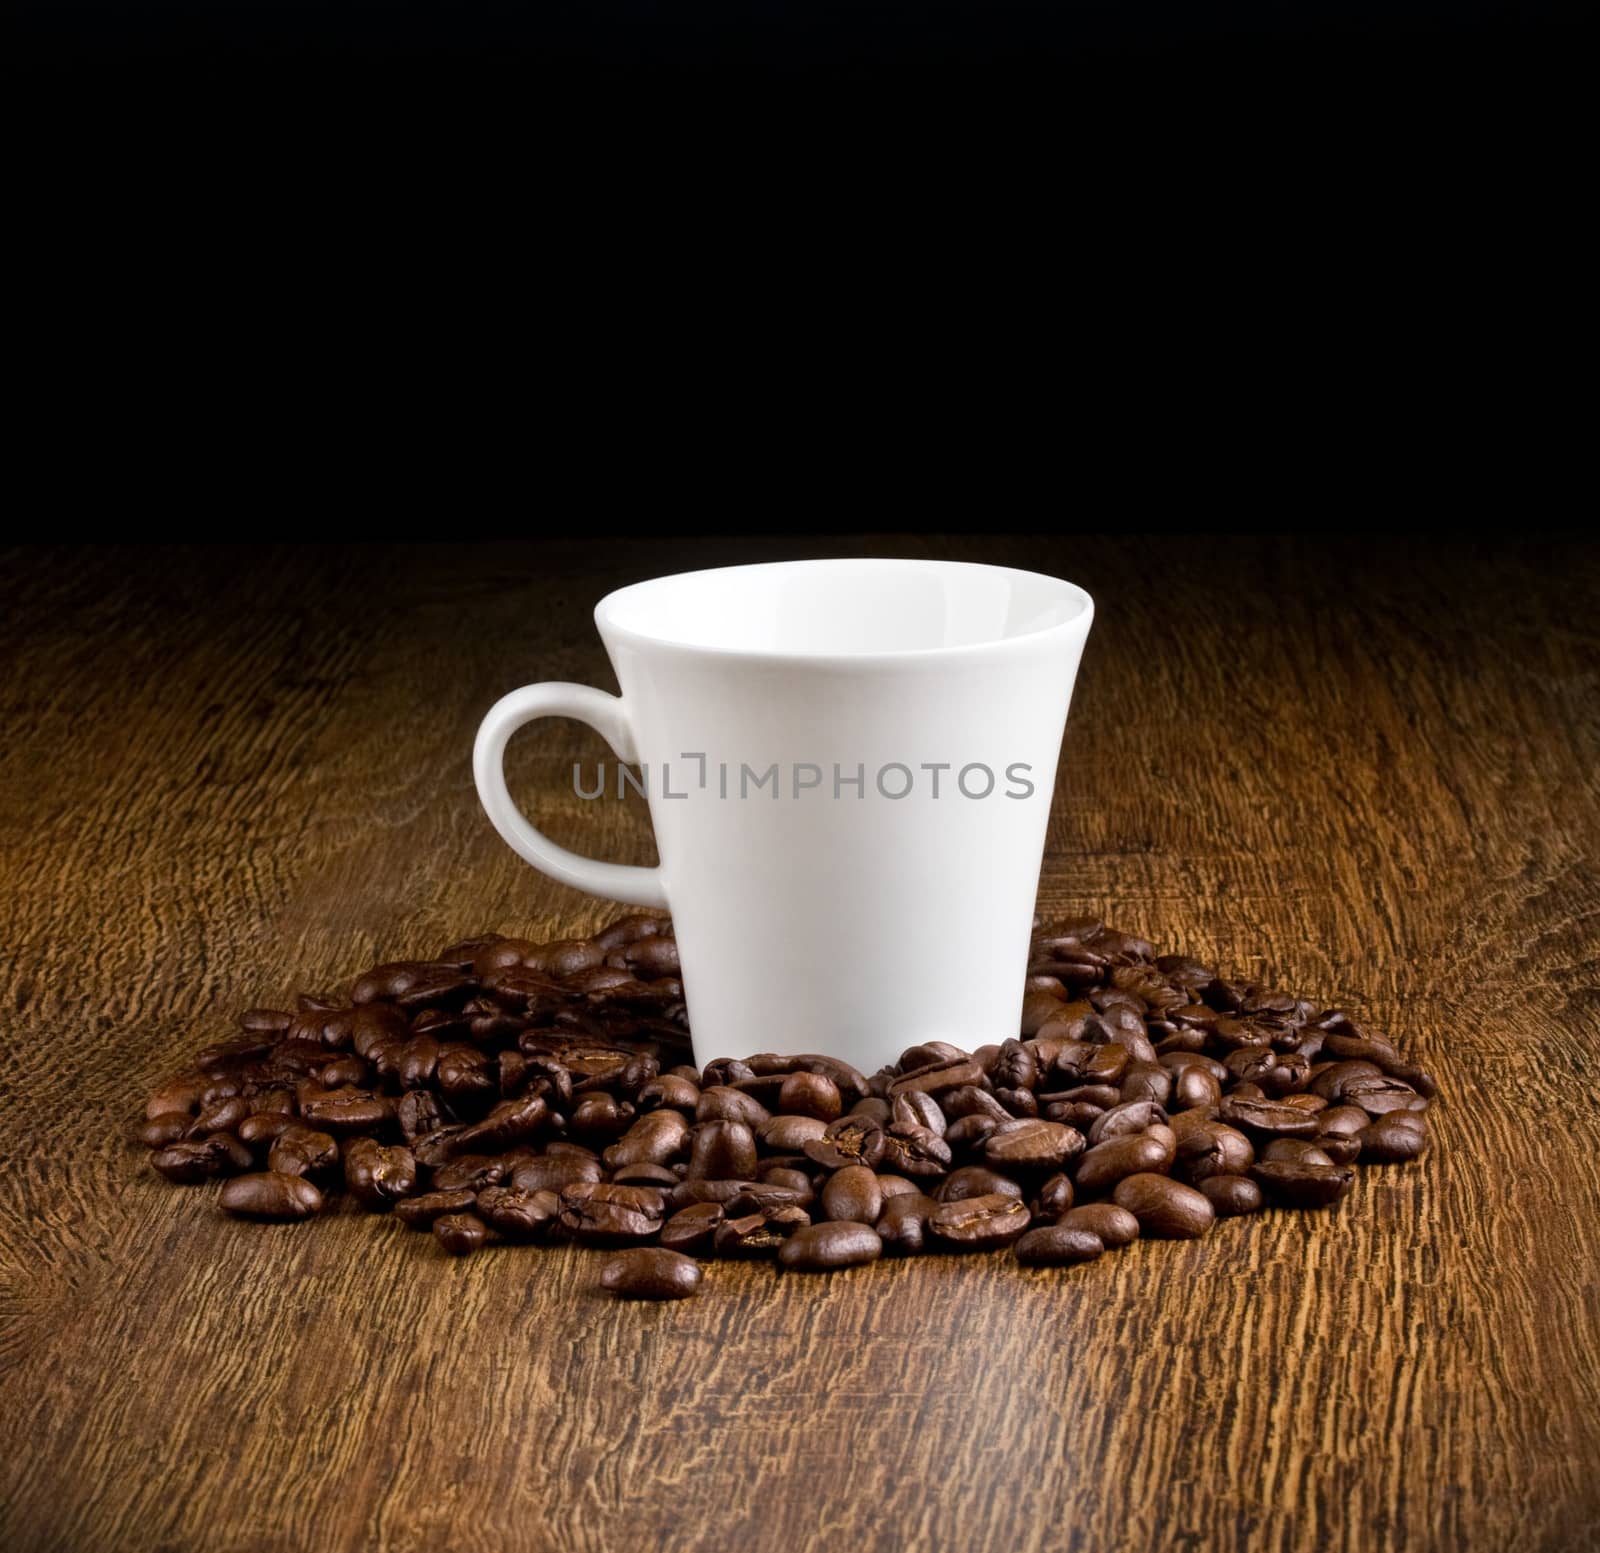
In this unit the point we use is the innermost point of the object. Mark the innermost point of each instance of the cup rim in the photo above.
(1077, 623)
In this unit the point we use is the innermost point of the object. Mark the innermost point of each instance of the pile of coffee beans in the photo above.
(511, 1092)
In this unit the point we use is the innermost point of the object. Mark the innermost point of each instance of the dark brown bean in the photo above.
(978, 1223)
(852, 1194)
(1057, 1245)
(1113, 1225)
(651, 1273)
(1298, 1185)
(460, 1233)
(1164, 1208)
(270, 1195)
(1231, 1196)
(824, 1248)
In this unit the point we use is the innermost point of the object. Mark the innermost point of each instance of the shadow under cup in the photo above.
(849, 767)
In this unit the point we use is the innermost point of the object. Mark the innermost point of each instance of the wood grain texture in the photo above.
(1365, 771)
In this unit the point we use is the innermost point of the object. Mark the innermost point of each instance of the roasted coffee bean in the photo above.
(692, 1229)
(224, 1116)
(377, 1176)
(722, 1150)
(180, 1094)
(202, 1159)
(852, 1194)
(823, 1248)
(970, 1132)
(516, 1214)
(976, 1181)
(810, 1094)
(910, 1150)
(1300, 1151)
(1381, 1096)
(1393, 1138)
(419, 1114)
(460, 1233)
(510, 1122)
(902, 1224)
(896, 1186)
(1195, 1087)
(554, 1172)
(790, 1134)
(1164, 1207)
(653, 1139)
(1212, 1149)
(645, 1175)
(670, 1091)
(916, 1109)
(722, 1103)
(1107, 1163)
(978, 1223)
(872, 1108)
(939, 1076)
(1231, 1196)
(302, 1151)
(651, 1273)
(1112, 1225)
(1057, 1245)
(610, 1215)
(172, 1126)
(420, 1212)
(270, 1195)
(1031, 1145)
(1267, 1118)
(1055, 1198)
(1300, 1185)
(348, 1110)
(759, 1234)
(1130, 1117)
(473, 1172)
(852, 1140)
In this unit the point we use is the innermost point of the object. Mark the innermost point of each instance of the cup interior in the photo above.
(843, 608)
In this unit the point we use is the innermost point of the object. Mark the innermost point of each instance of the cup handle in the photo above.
(607, 715)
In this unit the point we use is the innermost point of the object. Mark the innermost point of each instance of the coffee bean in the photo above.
(202, 1159)
(852, 1140)
(823, 1248)
(722, 1150)
(1164, 1207)
(1231, 1196)
(1057, 1245)
(378, 1177)
(1107, 1163)
(553, 1172)
(518, 1214)
(758, 1234)
(976, 1181)
(810, 1094)
(1393, 1138)
(692, 1229)
(460, 1233)
(348, 1110)
(420, 1212)
(611, 1215)
(651, 1273)
(978, 1223)
(1055, 1198)
(270, 1195)
(1113, 1226)
(790, 1134)
(1299, 1185)
(853, 1194)
(302, 1151)
(1031, 1145)
(903, 1223)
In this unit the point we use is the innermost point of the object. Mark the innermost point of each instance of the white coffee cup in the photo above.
(849, 768)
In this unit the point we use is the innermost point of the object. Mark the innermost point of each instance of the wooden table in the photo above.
(1366, 771)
